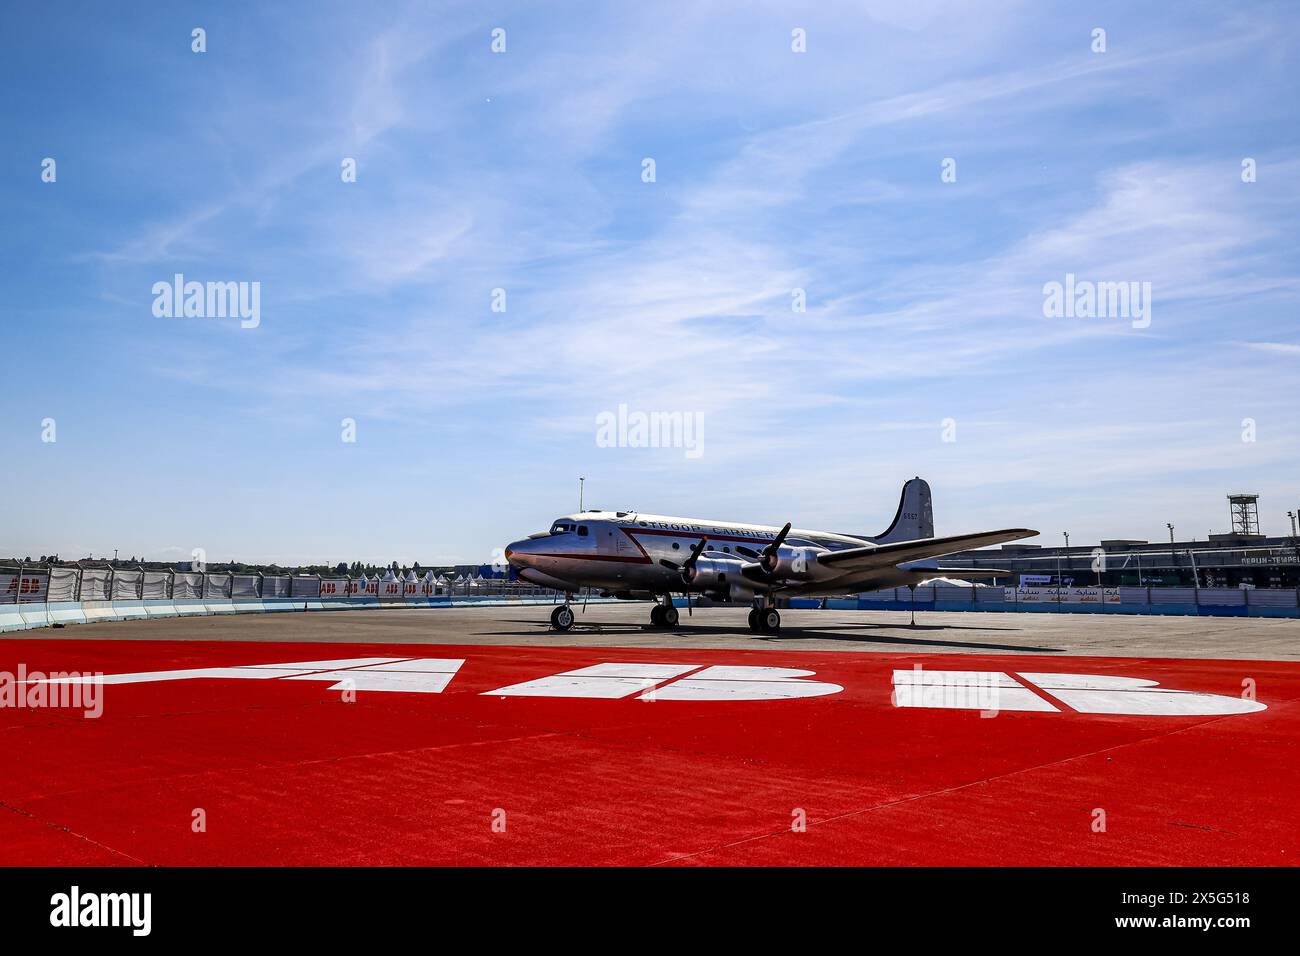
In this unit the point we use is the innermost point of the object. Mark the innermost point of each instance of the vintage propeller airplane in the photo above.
(639, 557)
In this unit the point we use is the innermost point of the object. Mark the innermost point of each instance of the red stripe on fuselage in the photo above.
(624, 558)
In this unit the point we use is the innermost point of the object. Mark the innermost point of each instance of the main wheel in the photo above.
(753, 619)
(771, 620)
(562, 618)
(669, 616)
(657, 616)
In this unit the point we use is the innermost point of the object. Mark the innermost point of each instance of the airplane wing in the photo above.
(871, 557)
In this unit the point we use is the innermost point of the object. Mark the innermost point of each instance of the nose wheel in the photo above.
(562, 618)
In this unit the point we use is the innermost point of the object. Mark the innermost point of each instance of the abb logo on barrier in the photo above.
(18, 585)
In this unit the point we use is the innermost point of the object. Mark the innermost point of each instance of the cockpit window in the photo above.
(582, 531)
(562, 527)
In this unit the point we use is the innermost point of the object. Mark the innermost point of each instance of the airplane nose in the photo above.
(517, 554)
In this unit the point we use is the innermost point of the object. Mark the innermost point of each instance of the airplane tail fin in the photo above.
(915, 516)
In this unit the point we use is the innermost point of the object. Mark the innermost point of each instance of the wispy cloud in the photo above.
(1277, 348)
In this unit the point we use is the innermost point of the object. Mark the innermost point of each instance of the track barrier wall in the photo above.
(43, 597)
(1188, 602)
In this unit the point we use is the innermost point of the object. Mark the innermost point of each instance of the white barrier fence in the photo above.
(44, 596)
(1255, 602)
(1032, 595)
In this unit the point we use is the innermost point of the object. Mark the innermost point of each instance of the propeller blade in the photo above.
(670, 565)
(695, 554)
(748, 552)
(770, 551)
(780, 538)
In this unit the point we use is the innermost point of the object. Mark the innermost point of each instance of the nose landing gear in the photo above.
(562, 616)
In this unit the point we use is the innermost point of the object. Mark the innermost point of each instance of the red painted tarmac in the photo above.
(288, 772)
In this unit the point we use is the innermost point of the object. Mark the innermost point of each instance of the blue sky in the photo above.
(522, 171)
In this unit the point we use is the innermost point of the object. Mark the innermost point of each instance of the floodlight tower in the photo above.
(1244, 508)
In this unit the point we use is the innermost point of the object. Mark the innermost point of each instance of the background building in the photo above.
(1241, 557)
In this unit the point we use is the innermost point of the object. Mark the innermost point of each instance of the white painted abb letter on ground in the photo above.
(675, 682)
(992, 691)
(432, 675)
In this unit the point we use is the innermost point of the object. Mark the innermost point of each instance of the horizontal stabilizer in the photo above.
(898, 552)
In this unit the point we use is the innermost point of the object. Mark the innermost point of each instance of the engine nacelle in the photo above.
(741, 592)
(733, 592)
(713, 574)
(799, 564)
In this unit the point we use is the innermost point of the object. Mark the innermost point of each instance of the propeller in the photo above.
(688, 566)
(768, 556)
(688, 569)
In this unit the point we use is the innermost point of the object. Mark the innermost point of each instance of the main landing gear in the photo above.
(765, 619)
(664, 614)
(562, 616)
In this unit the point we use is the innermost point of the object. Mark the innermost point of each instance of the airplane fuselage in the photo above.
(622, 553)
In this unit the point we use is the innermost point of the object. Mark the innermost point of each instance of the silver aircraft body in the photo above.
(635, 556)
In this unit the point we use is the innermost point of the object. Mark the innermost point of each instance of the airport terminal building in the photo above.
(1223, 561)
(1241, 558)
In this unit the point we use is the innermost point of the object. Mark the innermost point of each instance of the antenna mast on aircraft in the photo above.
(581, 480)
